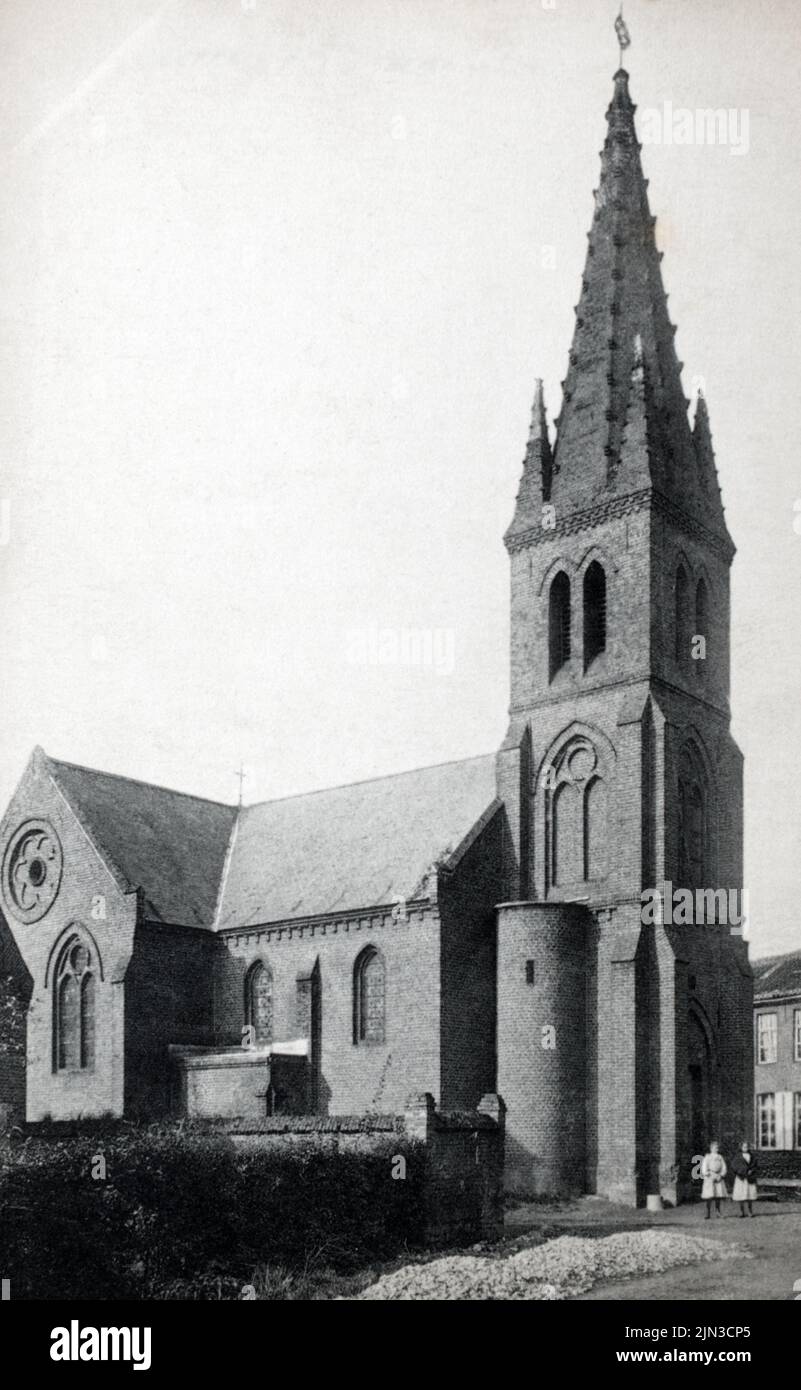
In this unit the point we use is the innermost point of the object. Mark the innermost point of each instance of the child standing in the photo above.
(744, 1168)
(713, 1171)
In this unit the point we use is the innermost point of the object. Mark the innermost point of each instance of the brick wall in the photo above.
(467, 900)
(464, 1157)
(93, 903)
(352, 1077)
(168, 999)
(638, 705)
(541, 1043)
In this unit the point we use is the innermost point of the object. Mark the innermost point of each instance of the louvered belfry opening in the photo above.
(558, 624)
(594, 613)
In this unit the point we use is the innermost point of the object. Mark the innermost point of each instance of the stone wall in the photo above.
(464, 1154)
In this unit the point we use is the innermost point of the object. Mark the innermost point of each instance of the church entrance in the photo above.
(698, 1120)
(702, 1108)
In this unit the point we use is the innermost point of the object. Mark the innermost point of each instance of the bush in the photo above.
(184, 1213)
(12, 1019)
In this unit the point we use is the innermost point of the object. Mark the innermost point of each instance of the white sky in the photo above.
(273, 300)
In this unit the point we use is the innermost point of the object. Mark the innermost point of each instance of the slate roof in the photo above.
(171, 845)
(366, 844)
(363, 845)
(776, 976)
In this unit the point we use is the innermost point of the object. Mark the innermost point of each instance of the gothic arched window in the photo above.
(594, 613)
(558, 624)
(693, 831)
(259, 1002)
(568, 835)
(576, 817)
(680, 634)
(596, 829)
(369, 997)
(702, 623)
(74, 1020)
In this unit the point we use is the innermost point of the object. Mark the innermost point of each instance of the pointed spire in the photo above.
(704, 448)
(622, 297)
(536, 482)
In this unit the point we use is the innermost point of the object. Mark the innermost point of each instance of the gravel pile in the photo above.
(560, 1268)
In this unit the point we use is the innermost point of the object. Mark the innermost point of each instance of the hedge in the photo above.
(185, 1213)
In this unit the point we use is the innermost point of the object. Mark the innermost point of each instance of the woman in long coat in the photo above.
(744, 1168)
(713, 1172)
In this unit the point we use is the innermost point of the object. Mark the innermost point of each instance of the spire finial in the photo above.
(623, 35)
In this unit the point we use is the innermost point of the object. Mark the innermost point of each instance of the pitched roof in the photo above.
(366, 844)
(775, 976)
(363, 845)
(169, 844)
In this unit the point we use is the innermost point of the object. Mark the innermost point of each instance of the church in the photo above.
(471, 927)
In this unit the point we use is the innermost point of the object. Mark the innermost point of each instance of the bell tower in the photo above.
(618, 772)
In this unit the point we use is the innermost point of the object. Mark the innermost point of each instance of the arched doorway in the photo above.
(703, 1116)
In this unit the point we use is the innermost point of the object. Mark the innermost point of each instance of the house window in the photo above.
(766, 1038)
(766, 1121)
(369, 997)
(74, 1023)
(594, 613)
(797, 1120)
(529, 972)
(259, 1002)
(797, 1035)
(558, 624)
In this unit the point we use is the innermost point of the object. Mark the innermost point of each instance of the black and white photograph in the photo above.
(400, 560)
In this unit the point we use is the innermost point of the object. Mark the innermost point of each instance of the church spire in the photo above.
(536, 482)
(622, 299)
(704, 449)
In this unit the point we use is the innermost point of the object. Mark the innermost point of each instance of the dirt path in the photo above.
(773, 1237)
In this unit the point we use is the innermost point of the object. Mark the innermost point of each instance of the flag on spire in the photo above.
(623, 35)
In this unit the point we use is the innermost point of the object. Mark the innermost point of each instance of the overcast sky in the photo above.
(276, 279)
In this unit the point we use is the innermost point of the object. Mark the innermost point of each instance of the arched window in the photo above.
(576, 819)
(74, 1021)
(596, 829)
(259, 1002)
(369, 997)
(594, 613)
(558, 624)
(568, 835)
(681, 615)
(702, 624)
(693, 836)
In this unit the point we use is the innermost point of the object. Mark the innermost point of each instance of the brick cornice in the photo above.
(385, 915)
(644, 500)
(646, 677)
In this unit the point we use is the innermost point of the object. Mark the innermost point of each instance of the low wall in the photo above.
(462, 1153)
(778, 1163)
(463, 1156)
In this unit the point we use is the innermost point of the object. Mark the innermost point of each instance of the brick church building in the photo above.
(471, 927)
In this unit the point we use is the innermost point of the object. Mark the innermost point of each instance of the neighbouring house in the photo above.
(777, 1062)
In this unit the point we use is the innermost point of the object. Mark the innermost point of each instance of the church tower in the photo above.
(623, 1041)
